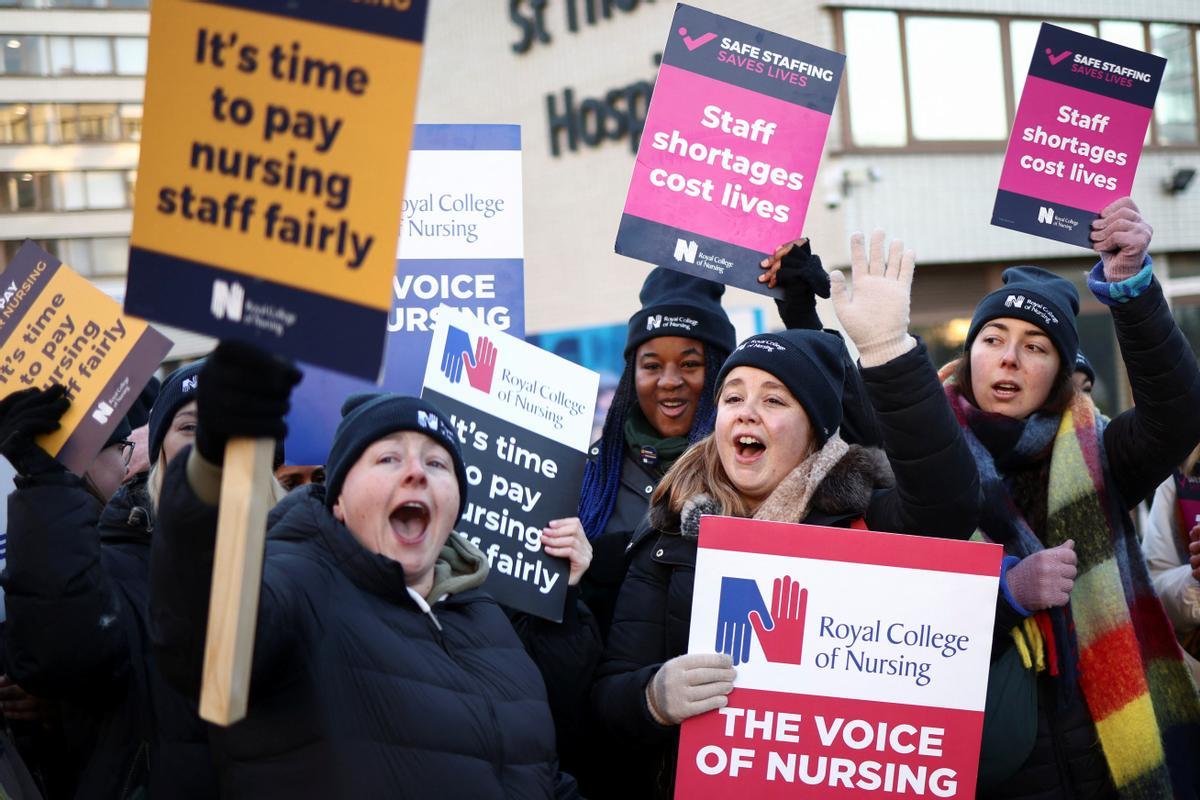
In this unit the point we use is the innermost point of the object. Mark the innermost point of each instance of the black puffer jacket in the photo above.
(358, 689)
(934, 491)
(77, 596)
(1143, 445)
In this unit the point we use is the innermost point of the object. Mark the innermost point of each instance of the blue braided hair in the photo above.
(602, 475)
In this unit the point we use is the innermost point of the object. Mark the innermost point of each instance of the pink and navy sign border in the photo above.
(862, 662)
(729, 153)
(1077, 135)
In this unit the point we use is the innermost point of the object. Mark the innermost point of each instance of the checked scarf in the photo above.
(1113, 637)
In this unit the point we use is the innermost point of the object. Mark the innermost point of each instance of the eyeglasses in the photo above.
(126, 450)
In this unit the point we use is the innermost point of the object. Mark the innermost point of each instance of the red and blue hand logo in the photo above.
(479, 362)
(780, 631)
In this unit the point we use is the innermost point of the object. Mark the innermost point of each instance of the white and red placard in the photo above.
(862, 662)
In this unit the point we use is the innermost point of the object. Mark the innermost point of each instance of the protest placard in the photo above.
(862, 662)
(1077, 135)
(57, 328)
(461, 245)
(271, 176)
(730, 148)
(524, 417)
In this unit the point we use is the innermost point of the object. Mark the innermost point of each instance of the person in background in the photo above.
(1084, 377)
(292, 477)
(1172, 549)
(1117, 712)
(776, 454)
(77, 602)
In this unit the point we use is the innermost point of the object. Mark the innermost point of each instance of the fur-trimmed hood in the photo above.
(845, 492)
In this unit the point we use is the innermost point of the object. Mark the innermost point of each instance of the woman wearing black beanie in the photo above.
(776, 453)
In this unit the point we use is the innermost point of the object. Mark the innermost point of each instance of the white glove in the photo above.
(688, 685)
(876, 315)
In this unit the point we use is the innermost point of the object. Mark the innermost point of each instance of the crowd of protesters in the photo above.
(382, 668)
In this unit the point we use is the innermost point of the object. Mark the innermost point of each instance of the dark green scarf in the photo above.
(640, 433)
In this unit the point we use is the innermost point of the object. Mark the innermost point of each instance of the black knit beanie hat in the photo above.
(808, 362)
(1038, 297)
(119, 433)
(369, 416)
(177, 390)
(1083, 365)
(139, 414)
(677, 304)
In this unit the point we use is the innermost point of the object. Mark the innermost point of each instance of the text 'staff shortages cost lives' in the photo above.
(730, 149)
(271, 176)
(57, 328)
(1077, 136)
(876, 691)
(461, 245)
(524, 418)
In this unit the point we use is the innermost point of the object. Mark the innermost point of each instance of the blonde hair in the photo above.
(1189, 463)
(699, 471)
(154, 484)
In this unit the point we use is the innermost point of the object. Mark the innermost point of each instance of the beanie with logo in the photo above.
(177, 390)
(677, 304)
(1036, 296)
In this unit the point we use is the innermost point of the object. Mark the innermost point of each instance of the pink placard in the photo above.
(703, 189)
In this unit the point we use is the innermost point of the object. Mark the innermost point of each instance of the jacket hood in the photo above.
(128, 514)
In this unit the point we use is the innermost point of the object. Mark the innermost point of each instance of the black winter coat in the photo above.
(358, 689)
(935, 492)
(1143, 445)
(77, 597)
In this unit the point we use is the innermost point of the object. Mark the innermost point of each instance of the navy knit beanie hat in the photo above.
(677, 304)
(1038, 297)
(1083, 365)
(808, 362)
(368, 417)
(178, 390)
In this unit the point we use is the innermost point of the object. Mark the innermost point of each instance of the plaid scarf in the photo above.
(1113, 637)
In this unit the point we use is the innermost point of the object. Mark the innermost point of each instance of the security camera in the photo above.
(833, 200)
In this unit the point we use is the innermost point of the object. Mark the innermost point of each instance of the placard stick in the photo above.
(237, 573)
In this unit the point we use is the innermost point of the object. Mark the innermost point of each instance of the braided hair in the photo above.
(602, 475)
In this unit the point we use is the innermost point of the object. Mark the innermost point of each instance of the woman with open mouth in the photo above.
(776, 453)
(380, 668)
(1116, 710)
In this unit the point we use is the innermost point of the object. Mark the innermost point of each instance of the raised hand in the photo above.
(458, 348)
(739, 597)
(783, 641)
(1194, 551)
(479, 372)
(1122, 238)
(24, 416)
(875, 312)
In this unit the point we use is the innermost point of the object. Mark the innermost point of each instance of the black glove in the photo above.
(802, 279)
(28, 414)
(242, 391)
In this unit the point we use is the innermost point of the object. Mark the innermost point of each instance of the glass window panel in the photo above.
(70, 194)
(106, 189)
(1022, 37)
(43, 125)
(952, 103)
(8, 192)
(62, 61)
(15, 124)
(68, 122)
(874, 83)
(93, 55)
(110, 255)
(98, 122)
(131, 55)
(77, 254)
(1175, 109)
(1127, 33)
(24, 55)
(131, 123)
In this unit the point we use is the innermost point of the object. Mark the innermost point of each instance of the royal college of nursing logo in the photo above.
(742, 615)
(478, 361)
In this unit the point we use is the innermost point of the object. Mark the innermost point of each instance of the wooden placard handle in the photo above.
(237, 573)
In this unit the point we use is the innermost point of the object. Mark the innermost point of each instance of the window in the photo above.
(58, 123)
(968, 104)
(918, 79)
(65, 191)
(73, 55)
